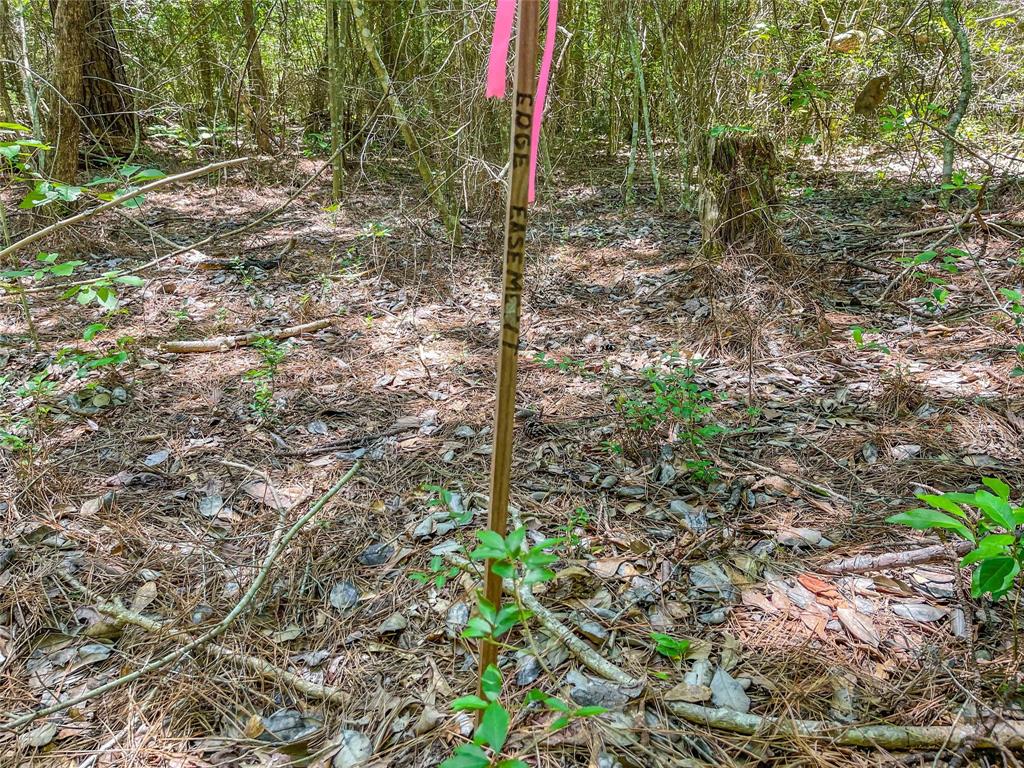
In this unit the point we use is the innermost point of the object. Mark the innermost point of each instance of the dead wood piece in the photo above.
(865, 563)
(224, 343)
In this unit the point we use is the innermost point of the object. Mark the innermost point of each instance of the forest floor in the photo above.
(147, 481)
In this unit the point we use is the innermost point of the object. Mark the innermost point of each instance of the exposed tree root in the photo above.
(224, 343)
(865, 563)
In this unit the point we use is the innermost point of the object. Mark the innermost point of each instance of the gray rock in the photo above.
(376, 554)
(693, 519)
(456, 620)
(590, 692)
(709, 577)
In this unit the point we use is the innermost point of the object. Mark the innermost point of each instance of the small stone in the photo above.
(632, 491)
(693, 519)
(376, 554)
(716, 616)
(157, 458)
(456, 620)
(201, 613)
(464, 430)
(316, 427)
(528, 669)
(608, 481)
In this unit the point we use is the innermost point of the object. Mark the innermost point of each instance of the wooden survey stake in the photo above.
(512, 292)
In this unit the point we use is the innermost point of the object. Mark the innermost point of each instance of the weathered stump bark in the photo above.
(738, 196)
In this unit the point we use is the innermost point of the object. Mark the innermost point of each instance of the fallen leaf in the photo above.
(858, 625)
(144, 595)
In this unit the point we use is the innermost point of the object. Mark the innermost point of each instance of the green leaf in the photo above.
(994, 575)
(994, 509)
(514, 541)
(468, 702)
(560, 723)
(504, 568)
(128, 170)
(91, 330)
(1001, 489)
(148, 175)
(925, 519)
(477, 626)
(493, 728)
(133, 280)
(492, 540)
(992, 545)
(490, 682)
(942, 502)
(65, 269)
(467, 756)
(14, 127)
(590, 711)
(512, 762)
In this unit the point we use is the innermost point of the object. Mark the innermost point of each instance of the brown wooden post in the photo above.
(515, 256)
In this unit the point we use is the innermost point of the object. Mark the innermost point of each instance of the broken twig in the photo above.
(224, 343)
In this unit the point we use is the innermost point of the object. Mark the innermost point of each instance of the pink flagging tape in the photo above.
(500, 39)
(542, 90)
(497, 70)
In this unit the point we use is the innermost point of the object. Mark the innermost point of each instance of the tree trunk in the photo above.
(8, 72)
(966, 86)
(204, 59)
(258, 92)
(641, 91)
(337, 20)
(31, 100)
(434, 192)
(64, 131)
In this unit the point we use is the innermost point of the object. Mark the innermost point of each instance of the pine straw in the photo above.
(615, 293)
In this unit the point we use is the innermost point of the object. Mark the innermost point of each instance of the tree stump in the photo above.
(738, 196)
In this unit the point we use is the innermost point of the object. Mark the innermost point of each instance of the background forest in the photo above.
(767, 470)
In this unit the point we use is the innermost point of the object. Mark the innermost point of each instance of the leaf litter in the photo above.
(728, 563)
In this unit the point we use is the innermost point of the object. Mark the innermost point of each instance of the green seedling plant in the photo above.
(439, 574)
(567, 712)
(1018, 368)
(272, 354)
(674, 398)
(511, 559)
(563, 364)
(860, 340)
(986, 518)
(443, 498)
(672, 648)
(1015, 304)
(492, 732)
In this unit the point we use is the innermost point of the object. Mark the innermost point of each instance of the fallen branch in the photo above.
(865, 563)
(252, 664)
(64, 223)
(214, 632)
(1006, 734)
(224, 343)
